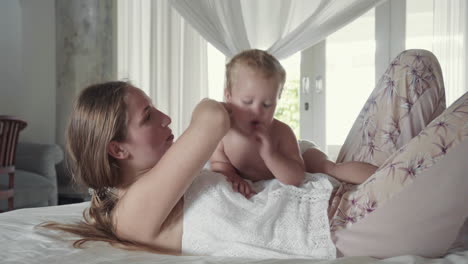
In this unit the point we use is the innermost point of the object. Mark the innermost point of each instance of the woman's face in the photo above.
(148, 135)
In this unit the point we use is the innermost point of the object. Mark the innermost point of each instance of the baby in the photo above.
(258, 146)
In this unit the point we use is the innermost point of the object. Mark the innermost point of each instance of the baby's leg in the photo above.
(315, 161)
(353, 172)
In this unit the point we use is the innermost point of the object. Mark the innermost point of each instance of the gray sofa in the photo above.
(68, 190)
(35, 177)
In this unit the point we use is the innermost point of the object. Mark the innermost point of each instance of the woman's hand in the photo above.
(228, 108)
(210, 112)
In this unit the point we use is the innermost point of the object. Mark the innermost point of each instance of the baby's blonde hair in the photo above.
(258, 60)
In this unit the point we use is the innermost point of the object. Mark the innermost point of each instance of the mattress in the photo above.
(22, 242)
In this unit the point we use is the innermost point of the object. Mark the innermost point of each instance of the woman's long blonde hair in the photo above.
(99, 116)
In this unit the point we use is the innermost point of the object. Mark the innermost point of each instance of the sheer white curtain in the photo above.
(450, 45)
(133, 43)
(279, 26)
(163, 55)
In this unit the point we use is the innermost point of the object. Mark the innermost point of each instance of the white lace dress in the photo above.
(280, 221)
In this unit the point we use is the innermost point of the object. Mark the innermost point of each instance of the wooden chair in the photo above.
(10, 128)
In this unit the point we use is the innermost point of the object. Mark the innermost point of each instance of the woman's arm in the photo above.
(145, 206)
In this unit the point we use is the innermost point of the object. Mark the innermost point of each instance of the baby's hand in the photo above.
(263, 140)
(241, 186)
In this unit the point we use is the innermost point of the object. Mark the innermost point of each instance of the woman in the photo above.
(121, 146)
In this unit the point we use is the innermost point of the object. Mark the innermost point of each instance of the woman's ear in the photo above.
(227, 95)
(116, 150)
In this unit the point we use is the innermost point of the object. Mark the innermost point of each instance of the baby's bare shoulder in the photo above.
(281, 129)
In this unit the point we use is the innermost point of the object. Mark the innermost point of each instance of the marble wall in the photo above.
(85, 50)
(49, 51)
(86, 53)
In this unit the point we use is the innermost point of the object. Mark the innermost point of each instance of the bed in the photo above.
(416, 202)
(21, 241)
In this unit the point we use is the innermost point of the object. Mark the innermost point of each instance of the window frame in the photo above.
(390, 35)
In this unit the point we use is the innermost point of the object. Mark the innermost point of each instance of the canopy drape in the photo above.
(282, 27)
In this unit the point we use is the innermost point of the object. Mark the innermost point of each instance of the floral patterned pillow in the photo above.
(397, 130)
(412, 160)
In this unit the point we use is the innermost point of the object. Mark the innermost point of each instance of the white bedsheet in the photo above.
(280, 221)
(21, 242)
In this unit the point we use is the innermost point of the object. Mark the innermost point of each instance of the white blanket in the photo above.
(280, 221)
(21, 242)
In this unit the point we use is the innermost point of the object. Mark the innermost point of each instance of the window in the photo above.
(419, 24)
(350, 77)
(351, 63)
(441, 27)
(287, 110)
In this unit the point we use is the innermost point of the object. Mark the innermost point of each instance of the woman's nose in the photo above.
(166, 120)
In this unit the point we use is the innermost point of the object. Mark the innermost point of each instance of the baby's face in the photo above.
(253, 98)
